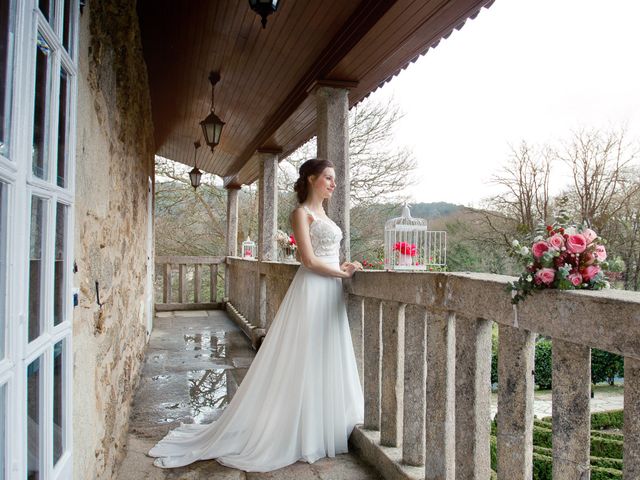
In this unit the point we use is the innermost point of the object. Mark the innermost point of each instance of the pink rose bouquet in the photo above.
(565, 260)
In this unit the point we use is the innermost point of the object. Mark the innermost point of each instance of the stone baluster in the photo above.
(571, 380)
(166, 294)
(355, 309)
(631, 455)
(440, 398)
(392, 373)
(182, 284)
(516, 351)
(415, 377)
(196, 284)
(473, 398)
(372, 371)
(213, 283)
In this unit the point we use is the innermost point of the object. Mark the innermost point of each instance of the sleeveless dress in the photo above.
(301, 396)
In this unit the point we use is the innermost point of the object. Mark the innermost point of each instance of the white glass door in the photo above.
(37, 141)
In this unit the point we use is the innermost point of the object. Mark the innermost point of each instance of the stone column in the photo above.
(473, 398)
(392, 374)
(571, 380)
(372, 369)
(232, 221)
(440, 423)
(631, 456)
(268, 206)
(516, 364)
(333, 144)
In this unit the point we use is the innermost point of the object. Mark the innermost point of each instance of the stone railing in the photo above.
(255, 291)
(423, 346)
(182, 286)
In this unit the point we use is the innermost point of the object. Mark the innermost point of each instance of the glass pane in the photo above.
(6, 60)
(60, 296)
(67, 26)
(3, 265)
(45, 7)
(63, 128)
(36, 267)
(3, 431)
(40, 123)
(59, 355)
(34, 402)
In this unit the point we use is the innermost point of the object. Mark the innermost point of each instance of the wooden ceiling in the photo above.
(264, 94)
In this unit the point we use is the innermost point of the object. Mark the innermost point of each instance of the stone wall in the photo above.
(114, 161)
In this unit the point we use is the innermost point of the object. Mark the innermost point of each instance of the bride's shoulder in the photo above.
(299, 214)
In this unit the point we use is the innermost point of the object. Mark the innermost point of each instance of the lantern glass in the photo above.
(410, 245)
(212, 129)
(195, 176)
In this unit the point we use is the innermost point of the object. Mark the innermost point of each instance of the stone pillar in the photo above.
(415, 377)
(355, 309)
(333, 144)
(571, 381)
(440, 401)
(232, 221)
(516, 352)
(372, 370)
(268, 206)
(631, 455)
(473, 398)
(392, 373)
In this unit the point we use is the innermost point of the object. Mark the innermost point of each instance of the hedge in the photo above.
(601, 420)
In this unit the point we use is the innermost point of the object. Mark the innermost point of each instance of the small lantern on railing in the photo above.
(410, 245)
(249, 249)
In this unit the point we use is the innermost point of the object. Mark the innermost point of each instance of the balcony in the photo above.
(423, 347)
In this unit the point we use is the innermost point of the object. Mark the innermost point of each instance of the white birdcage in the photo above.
(248, 248)
(410, 245)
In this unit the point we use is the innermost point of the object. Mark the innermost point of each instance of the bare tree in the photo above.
(602, 174)
(525, 183)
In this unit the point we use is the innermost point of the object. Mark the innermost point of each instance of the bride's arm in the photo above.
(300, 224)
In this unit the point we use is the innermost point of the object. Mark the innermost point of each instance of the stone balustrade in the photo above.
(423, 348)
(189, 293)
(423, 343)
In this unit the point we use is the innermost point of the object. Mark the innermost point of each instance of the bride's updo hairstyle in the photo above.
(308, 169)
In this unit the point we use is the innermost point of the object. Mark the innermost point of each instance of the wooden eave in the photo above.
(267, 76)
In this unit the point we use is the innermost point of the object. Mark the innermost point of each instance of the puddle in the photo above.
(209, 390)
(155, 378)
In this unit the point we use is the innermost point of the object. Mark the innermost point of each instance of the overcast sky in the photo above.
(523, 69)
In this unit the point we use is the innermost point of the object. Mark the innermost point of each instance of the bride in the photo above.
(301, 397)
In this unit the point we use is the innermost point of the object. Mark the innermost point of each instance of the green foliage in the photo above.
(543, 369)
(610, 419)
(605, 366)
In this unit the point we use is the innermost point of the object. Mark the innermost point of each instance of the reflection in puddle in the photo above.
(209, 390)
(205, 341)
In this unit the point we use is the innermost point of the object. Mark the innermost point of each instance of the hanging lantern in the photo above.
(410, 245)
(212, 125)
(195, 175)
(249, 249)
(264, 8)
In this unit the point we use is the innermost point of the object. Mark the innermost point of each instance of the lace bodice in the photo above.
(325, 235)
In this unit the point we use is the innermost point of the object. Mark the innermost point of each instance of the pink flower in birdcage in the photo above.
(405, 248)
(248, 252)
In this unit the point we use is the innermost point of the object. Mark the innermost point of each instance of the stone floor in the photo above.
(193, 365)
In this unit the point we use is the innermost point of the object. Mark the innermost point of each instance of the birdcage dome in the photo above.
(406, 221)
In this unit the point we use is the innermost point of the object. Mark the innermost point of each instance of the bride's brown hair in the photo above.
(312, 167)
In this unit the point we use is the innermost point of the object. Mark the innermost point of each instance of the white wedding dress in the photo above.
(301, 397)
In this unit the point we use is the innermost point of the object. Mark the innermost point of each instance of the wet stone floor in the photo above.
(193, 366)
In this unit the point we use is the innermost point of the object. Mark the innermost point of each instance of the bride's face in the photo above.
(325, 183)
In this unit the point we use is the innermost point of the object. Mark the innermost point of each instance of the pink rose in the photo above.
(539, 248)
(589, 272)
(576, 243)
(575, 279)
(546, 275)
(589, 235)
(557, 241)
(601, 253)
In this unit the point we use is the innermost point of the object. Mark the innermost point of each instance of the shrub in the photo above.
(543, 364)
(605, 366)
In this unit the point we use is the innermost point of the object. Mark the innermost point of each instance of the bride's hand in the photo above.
(348, 268)
(357, 264)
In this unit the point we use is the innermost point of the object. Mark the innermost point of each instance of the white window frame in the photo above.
(16, 172)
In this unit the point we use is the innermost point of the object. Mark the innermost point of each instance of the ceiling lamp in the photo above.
(195, 175)
(264, 8)
(212, 125)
